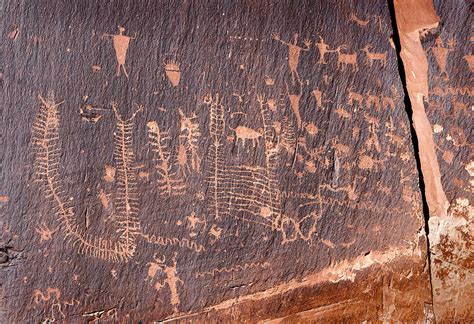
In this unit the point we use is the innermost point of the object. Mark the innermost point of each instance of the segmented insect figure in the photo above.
(47, 162)
(169, 184)
(188, 144)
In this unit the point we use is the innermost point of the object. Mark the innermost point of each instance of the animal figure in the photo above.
(360, 22)
(344, 59)
(371, 56)
(354, 96)
(245, 133)
(373, 101)
(388, 102)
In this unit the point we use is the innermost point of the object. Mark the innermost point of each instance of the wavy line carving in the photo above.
(237, 268)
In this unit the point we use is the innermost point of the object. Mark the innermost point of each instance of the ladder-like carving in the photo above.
(246, 189)
(216, 161)
(287, 137)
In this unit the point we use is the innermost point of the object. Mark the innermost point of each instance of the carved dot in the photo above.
(265, 212)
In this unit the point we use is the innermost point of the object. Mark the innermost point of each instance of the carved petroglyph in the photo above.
(359, 22)
(121, 43)
(295, 102)
(215, 232)
(250, 193)
(323, 48)
(52, 297)
(234, 269)
(216, 162)
(89, 114)
(293, 230)
(470, 61)
(169, 184)
(269, 81)
(349, 189)
(452, 91)
(294, 53)
(346, 59)
(245, 133)
(311, 129)
(109, 173)
(441, 55)
(342, 113)
(188, 143)
(354, 96)
(102, 315)
(173, 73)
(45, 233)
(272, 104)
(171, 278)
(194, 224)
(47, 162)
(126, 198)
(14, 33)
(373, 101)
(372, 56)
(173, 241)
(356, 100)
(287, 136)
(318, 96)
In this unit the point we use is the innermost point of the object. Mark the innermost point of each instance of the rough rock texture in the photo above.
(226, 160)
(449, 51)
(438, 66)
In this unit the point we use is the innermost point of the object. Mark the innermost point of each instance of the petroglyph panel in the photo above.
(171, 159)
(450, 110)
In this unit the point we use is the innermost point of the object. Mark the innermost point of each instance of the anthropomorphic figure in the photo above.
(121, 43)
(294, 53)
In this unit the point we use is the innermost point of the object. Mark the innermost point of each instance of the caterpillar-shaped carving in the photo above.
(181, 242)
(169, 184)
(47, 162)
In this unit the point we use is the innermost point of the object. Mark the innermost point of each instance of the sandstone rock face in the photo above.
(449, 50)
(235, 161)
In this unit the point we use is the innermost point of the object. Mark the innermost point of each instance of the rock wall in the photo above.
(235, 161)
